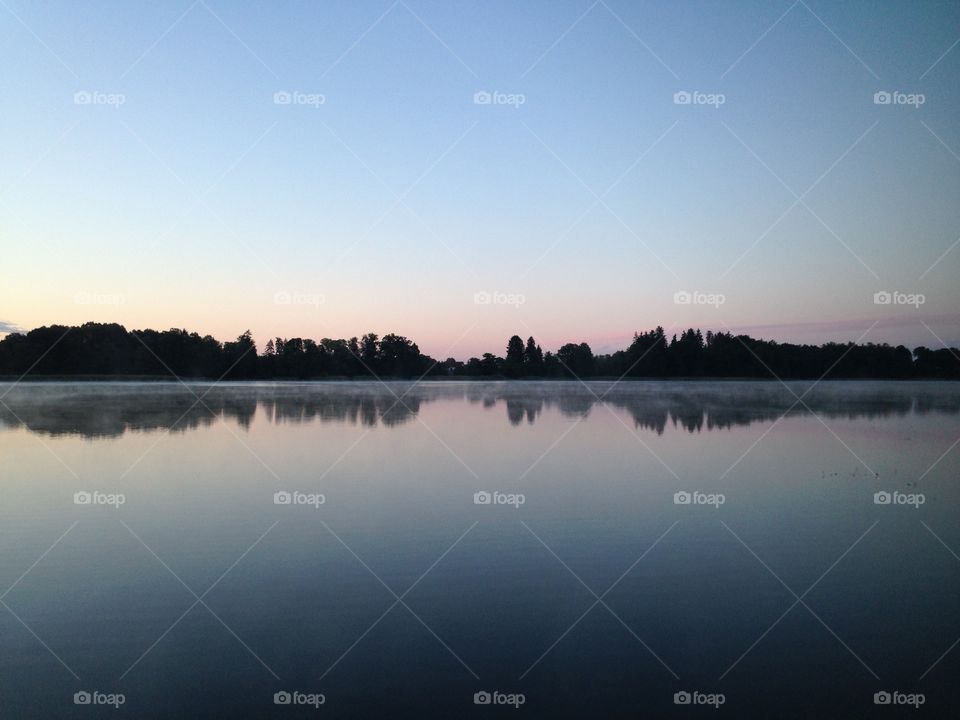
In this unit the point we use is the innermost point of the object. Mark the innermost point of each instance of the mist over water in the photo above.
(107, 409)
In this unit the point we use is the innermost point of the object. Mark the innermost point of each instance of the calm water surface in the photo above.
(390, 586)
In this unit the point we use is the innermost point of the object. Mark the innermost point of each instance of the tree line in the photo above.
(99, 349)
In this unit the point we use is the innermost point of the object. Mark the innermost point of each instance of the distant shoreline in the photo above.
(108, 351)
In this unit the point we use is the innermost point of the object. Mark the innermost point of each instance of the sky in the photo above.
(458, 172)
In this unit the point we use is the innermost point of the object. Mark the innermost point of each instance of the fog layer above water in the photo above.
(109, 409)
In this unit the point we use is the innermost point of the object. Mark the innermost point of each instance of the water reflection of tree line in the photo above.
(368, 410)
(111, 414)
(102, 410)
(697, 413)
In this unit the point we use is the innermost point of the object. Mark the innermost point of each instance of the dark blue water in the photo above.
(586, 587)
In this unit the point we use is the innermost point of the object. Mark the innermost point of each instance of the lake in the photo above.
(478, 549)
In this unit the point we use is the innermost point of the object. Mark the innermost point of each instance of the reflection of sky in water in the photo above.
(599, 480)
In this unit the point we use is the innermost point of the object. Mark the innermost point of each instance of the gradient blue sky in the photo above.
(398, 199)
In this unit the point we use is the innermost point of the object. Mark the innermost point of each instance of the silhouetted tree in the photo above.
(490, 364)
(513, 363)
(452, 366)
(551, 366)
(401, 357)
(240, 357)
(937, 363)
(473, 367)
(576, 360)
(532, 358)
(370, 352)
(355, 367)
(338, 357)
